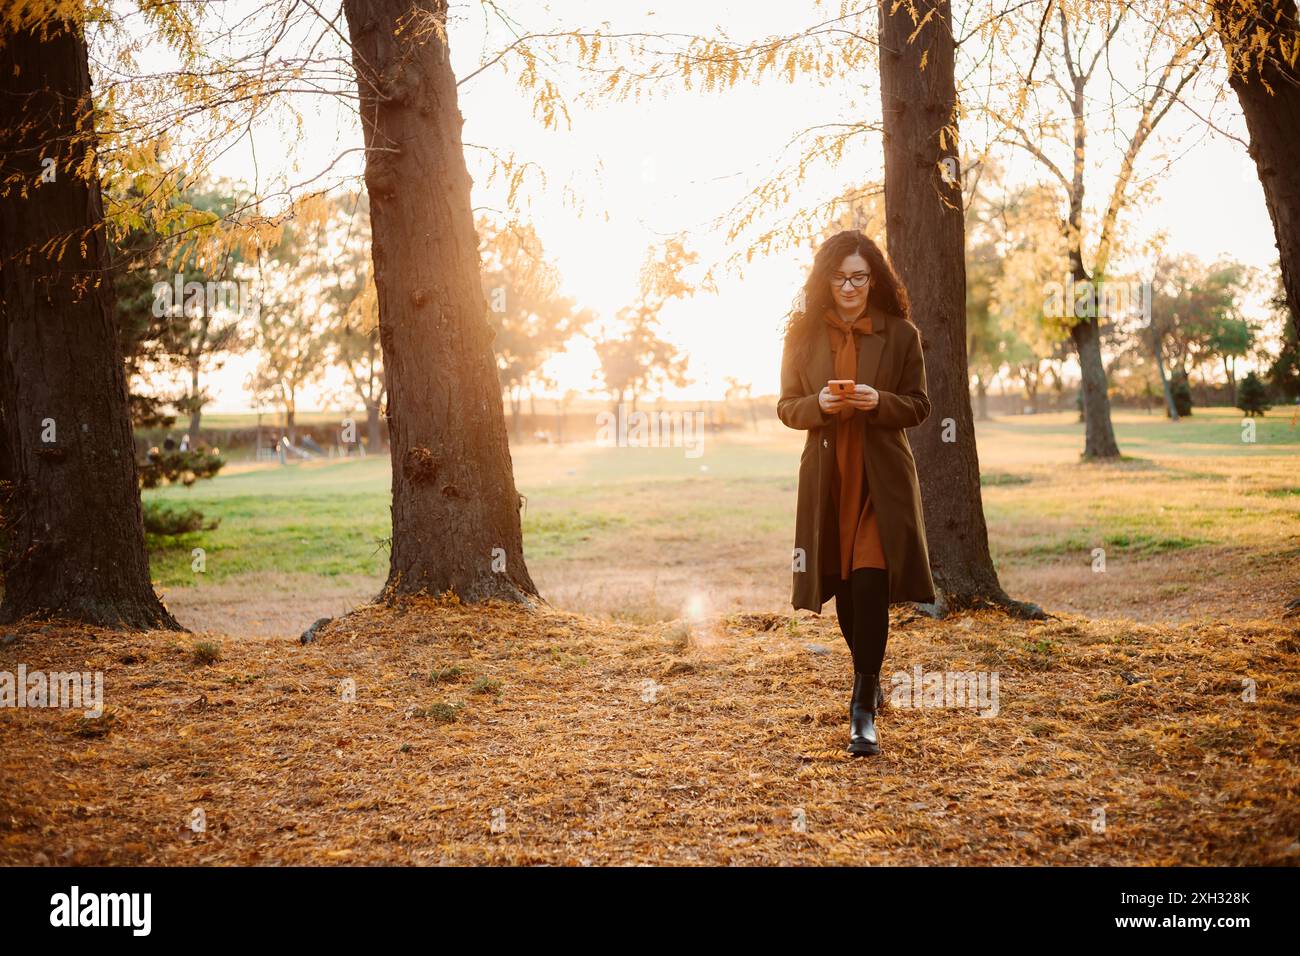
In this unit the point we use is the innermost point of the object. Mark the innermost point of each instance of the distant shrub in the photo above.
(161, 520)
(170, 465)
(1252, 397)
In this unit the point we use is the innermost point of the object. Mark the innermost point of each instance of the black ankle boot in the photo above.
(862, 715)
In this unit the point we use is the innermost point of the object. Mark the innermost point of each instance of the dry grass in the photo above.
(743, 733)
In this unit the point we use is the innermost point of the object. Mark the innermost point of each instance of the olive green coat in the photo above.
(890, 361)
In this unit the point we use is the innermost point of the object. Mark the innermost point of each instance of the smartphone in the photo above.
(841, 387)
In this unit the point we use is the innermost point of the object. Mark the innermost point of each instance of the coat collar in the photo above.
(870, 349)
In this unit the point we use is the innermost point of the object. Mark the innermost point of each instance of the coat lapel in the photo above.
(820, 370)
(871, 347)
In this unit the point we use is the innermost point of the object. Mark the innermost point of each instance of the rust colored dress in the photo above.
(867, 549)
(857, 515)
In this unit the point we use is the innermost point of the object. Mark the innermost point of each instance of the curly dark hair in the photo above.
(887, 291)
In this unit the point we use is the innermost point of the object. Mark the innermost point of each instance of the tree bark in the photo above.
(72, 513)
(456, 524)
(1099, 434)
(926, 240)
(1268, 89)
(1171, 410)
(373, 429)
(196, 410)
(290, 415)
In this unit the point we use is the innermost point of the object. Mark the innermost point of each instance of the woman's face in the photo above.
(848, 297)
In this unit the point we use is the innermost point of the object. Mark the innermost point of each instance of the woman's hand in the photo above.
(830, 403)
(864, 397)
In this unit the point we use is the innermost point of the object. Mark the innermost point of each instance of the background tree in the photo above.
(1024, 231)
(290, 338)
(163, 333)
(1181, 393)
(352, 329)
(137, 256)
(1196, 315)
(1284, 370)
(1231, 340)
(637, 358)
(737, 391)
(200, 330)
(985, 342)
(1253, 399)
(530, 317)
(1053, 120)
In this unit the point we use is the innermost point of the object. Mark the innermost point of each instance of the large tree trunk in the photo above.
(455, 507)
(1268, 88)
(72, 513)
(926, 239)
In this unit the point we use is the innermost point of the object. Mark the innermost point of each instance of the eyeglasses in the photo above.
(859, 279)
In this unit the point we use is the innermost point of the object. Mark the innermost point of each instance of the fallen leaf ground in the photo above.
(435, 733)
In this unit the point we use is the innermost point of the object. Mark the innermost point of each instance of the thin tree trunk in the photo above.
(455, 505)
(72, 514)
(373, 430)
(1099, 434)
(1171, 409)
(290, 413)
(1267, 85)
(196, 410)
(1031, 394)
(926, 239)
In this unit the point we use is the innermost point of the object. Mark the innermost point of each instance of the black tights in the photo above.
(862, 607)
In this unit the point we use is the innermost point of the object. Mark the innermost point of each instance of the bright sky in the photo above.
(676, 161)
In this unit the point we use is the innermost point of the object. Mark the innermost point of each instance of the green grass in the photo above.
(325, 520)
(1208, 431)
(1184, 487)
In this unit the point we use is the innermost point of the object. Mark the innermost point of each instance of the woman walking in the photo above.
(859, 530)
